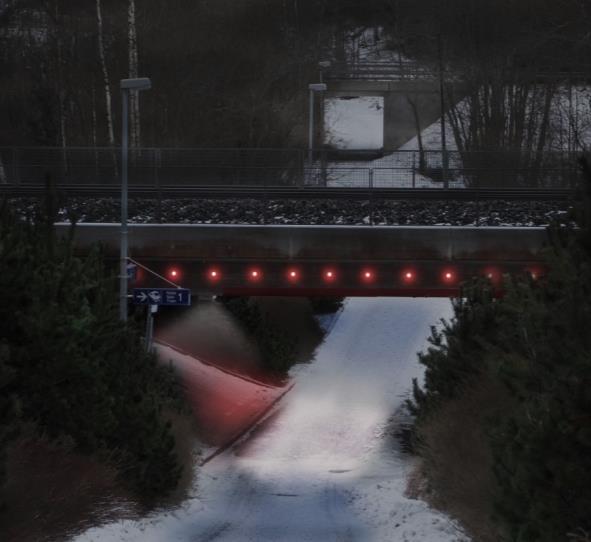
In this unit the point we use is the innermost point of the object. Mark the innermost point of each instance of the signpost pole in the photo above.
(127, 86)
(152, 309)
(123, 256)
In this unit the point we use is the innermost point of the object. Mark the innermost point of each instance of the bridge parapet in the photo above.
(322, 260)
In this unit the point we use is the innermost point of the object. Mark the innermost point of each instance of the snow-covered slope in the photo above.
(320, 468)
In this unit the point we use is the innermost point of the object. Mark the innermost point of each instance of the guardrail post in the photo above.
(371, 198)
(323, 172)
(414, 169)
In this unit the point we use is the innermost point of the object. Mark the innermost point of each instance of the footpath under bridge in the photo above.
(321, 260)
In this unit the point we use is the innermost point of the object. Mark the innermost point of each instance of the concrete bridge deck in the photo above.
(321, 260)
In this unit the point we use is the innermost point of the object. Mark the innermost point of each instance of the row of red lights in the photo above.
(330, 275)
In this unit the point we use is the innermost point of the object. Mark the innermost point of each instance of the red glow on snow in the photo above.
(223, 403)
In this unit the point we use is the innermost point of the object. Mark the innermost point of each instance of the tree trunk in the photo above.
(105, 72)
(415, 112)
(60, 90)
(134, 106)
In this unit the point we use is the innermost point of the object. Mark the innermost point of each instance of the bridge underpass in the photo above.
(320, 260)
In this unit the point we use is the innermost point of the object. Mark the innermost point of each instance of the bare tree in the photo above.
(135, 135)
(105, 74)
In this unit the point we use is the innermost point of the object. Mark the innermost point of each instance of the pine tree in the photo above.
(70, 366)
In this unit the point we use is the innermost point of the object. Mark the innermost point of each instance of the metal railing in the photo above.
(409, 70)
(161, 168)
(378, 71)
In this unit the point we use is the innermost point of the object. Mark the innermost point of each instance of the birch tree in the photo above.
(105, 74)
(135, 134)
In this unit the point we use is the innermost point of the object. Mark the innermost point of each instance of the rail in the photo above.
(307, 192)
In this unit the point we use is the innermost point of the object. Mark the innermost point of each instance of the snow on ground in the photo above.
(357, 123)
(320, 468)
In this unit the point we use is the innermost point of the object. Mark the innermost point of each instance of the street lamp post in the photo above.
(127, 86)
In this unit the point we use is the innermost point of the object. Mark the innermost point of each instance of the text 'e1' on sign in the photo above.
(180, 297)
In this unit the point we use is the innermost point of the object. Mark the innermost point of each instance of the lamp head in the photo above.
(140, 83)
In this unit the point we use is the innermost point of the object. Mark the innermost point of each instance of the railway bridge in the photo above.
(320, 260)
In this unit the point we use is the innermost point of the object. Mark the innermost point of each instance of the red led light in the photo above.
(214, 274)
(408, 276)
(329, 275)
(535, 273)
(448, 276)
(494, 275)
(174, 273)
(367, 275)
(293, 275)
(255, 275)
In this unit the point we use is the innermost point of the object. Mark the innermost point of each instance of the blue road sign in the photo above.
(180, 297)
(131, 271)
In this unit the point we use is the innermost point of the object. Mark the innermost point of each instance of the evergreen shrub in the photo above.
(534, 344)
(70, 368)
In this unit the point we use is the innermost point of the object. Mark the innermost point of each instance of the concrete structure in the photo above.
(321, 260)
(401, 99)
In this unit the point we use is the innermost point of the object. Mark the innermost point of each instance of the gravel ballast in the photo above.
(334, 212)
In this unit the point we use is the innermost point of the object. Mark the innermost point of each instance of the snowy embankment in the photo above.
(322, 467)
(224, 403)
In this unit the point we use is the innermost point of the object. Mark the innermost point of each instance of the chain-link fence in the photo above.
(161, 168)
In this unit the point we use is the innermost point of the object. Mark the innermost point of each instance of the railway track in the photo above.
(291, 192)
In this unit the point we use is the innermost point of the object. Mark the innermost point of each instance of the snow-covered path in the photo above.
(320, 468)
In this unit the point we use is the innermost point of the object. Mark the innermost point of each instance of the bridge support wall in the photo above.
(407, 105)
